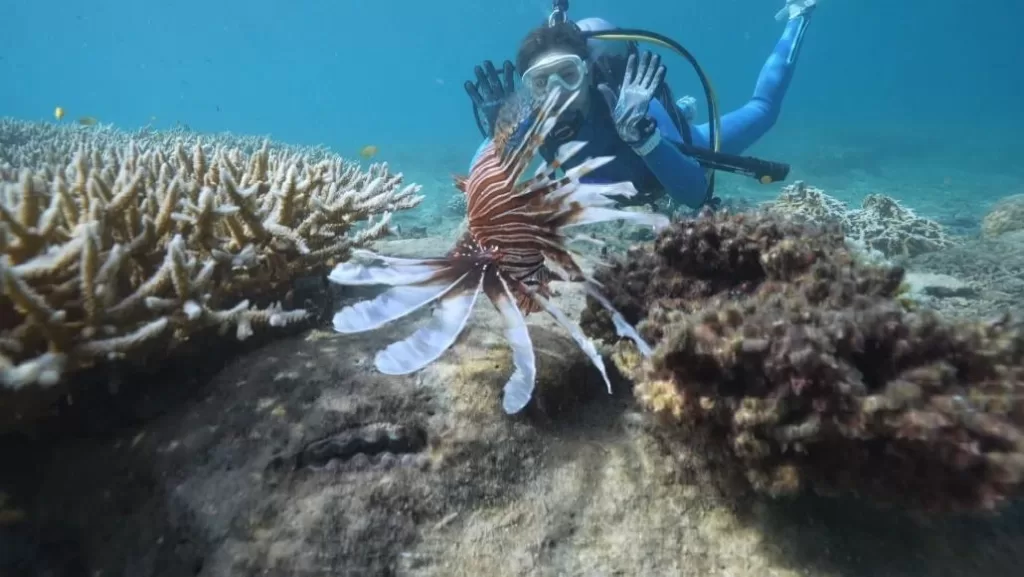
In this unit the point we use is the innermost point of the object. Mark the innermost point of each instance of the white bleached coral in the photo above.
(881, 224)
(115, 243)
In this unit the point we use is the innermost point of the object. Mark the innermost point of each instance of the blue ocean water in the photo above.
(924, 92)
(916, 99)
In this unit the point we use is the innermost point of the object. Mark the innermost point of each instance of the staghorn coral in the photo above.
(773, 339)
(810, 204)
(109, 248)
(33, 144)
(1006, 215)
(881, 224)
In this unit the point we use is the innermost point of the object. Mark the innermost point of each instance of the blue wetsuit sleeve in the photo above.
(682, 176)
(743, 127)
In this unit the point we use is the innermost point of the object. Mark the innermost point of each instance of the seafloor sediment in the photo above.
(298, 459)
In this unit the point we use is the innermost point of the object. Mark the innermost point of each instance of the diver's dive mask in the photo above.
(565, 70)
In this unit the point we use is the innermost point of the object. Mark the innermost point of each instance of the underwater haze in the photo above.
(201, 375)
(936, 76)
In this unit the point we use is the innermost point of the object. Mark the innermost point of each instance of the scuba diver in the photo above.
(625, 110)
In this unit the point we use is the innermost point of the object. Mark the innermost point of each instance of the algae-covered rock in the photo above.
(1005, 216)
(805, 364)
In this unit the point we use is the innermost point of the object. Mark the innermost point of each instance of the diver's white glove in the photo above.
(688, 106)
(795, 9)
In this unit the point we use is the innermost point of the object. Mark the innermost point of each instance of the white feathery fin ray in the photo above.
(366, 268)
(362, 254)
(519, 388)
(544, 177)
(595, 214)
(591, 195)
(539, 127)
(430, 341)
(389, 306)
(538, 131)
(622, 328)
(565, 152)
(577, 335)
(514, 163)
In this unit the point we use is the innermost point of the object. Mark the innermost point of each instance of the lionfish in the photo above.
(513, 248)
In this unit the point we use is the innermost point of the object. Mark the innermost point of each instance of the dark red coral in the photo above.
(773, 338)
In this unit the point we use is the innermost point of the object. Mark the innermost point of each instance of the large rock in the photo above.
(300, 459)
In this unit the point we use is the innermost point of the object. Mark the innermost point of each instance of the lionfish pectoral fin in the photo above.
(367, 268)
(389, 306)
(585, 344)
(519, 388)
(429, 342)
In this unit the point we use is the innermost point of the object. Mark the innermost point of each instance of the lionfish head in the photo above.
(514, 246)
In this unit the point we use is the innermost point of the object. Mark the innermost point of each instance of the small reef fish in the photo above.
(88, 121)
(58, 113)
(513, 248)
(368, 151)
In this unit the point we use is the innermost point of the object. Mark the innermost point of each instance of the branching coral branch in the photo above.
(111, 243)
(881, 223)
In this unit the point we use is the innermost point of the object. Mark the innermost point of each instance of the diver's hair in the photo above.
(563, 36)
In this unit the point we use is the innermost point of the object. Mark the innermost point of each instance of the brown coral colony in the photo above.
(778, 341)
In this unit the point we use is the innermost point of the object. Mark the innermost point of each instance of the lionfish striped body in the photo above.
(513, 248)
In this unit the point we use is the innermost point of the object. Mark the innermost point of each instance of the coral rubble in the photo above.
(114, 242)
(881, 224)
(773, 338)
